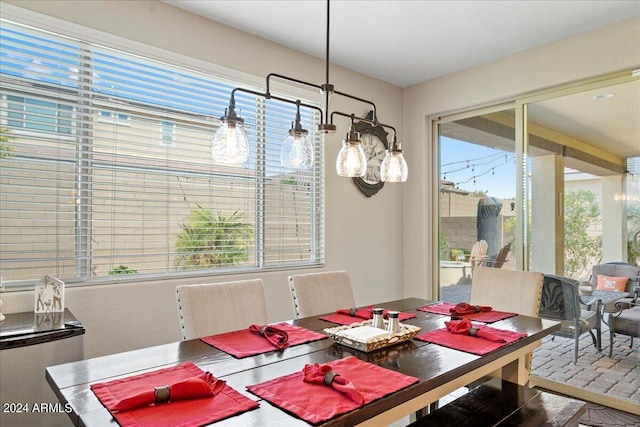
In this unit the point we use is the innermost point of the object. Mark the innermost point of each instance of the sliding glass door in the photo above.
(477, 198)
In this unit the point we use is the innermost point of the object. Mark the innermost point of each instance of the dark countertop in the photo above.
(23, 329)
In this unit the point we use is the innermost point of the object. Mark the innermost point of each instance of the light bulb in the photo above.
(230, 143)
(351, 160)
(296, 151)
(394, 167)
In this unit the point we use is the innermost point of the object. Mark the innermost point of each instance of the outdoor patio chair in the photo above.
(618, 269)
(319, 293)
(501, 258)
(561, 302)
(215, 308)
(625, 322)
(478, 255)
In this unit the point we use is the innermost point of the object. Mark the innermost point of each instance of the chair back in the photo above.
(560, 298)
(507, 290)
(617, 269)
(214, 308)
(320, 293)
(501, 258)
(478, 255)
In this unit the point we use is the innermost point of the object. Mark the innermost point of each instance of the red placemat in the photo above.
(316, 403)
(468, 343)
(342, 318)
(184, 413)
(245, 343)
(484, 316)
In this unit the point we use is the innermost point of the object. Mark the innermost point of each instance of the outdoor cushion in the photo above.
(608, 283)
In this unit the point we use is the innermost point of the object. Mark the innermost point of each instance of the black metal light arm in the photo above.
(362, 119)
(267, 95)
(326, 88)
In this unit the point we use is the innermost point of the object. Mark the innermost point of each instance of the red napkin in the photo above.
(185, 413)
(316, 403)
(464, 308)
(322, 374)
(363, 313)
(244, 343)
(464, 327)
(345, 316)
(276, 336)
(190, 388)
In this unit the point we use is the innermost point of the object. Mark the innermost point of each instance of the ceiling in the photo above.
(429, 39)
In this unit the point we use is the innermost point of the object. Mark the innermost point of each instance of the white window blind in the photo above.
(106, 170)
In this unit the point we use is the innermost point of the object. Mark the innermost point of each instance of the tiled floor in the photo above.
(616, 377)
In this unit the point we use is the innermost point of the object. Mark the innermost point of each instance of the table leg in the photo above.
(517, 371)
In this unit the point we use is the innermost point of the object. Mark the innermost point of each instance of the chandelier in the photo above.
(231, 145)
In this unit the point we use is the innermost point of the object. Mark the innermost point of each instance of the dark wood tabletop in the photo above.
(433, 364)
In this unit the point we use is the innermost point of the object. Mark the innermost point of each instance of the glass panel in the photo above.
(477, 199)
(583, 202)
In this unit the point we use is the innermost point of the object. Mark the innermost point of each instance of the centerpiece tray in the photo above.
(361, 336)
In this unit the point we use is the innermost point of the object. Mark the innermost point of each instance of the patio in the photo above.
(612, 382)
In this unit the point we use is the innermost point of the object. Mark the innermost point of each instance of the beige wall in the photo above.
(609, 49)
(384, 241)
(363, 235)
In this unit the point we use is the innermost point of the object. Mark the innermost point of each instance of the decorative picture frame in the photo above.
(49, 295)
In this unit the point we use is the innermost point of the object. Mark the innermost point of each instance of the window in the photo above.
(167, 133)
(38, 115)
(114, 117)
(106, 170)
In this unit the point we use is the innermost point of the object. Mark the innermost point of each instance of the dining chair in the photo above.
(561, 301)
(507, 290)
(213, 308)
(319, 293)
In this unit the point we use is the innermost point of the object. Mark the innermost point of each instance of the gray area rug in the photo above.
(601, 416)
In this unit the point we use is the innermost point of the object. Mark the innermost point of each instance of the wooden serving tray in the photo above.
(347, 335)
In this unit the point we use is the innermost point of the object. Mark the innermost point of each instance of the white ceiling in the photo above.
(407, 42)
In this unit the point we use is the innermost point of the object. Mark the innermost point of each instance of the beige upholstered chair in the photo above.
(319, 293)
(215, 308)
(507, 290)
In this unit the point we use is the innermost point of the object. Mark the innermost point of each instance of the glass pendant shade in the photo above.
(296, 151)
(351, 161)
(230, 143)
(394, 167)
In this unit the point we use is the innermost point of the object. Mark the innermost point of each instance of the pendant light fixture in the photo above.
(231, 145)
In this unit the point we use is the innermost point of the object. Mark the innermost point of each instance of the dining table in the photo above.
(436, 370)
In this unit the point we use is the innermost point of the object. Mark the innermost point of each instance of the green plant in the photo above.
(122, 269)
(633, 228)
(444, 248)
(580, 249)
(5, 149)
(208, 240)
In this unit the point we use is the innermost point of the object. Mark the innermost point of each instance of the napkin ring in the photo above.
(353, 312)
(162, 394)
(473, 332)
(329, 376)
(262, 329)
(477, 308)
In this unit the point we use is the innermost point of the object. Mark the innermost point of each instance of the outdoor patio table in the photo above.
(440, 370)
(605, 297)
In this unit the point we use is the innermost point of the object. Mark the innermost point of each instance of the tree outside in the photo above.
(5, 137)
(581, 250)
(208, 240)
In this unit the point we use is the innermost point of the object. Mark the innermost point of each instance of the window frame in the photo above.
(83, 275)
